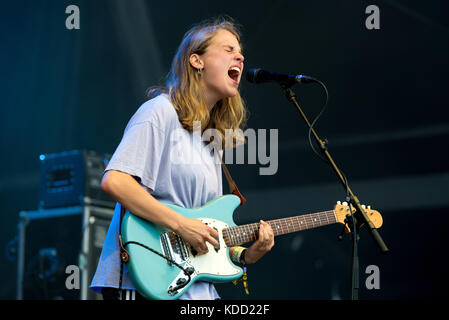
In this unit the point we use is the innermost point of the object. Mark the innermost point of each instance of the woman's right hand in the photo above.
(196, 233)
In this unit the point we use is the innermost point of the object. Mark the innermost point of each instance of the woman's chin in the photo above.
(232, 92)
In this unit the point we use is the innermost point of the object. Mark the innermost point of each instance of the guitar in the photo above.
(158, 278)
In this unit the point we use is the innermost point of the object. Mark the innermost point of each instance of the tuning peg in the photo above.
(338, 202)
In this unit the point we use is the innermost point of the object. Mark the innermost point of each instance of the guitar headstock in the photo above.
(343, 209)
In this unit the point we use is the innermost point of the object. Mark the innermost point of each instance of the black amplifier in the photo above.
(73, 178)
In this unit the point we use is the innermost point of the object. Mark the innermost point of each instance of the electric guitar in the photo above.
(159, 278)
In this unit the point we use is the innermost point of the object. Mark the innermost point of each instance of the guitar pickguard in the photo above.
(215, 262)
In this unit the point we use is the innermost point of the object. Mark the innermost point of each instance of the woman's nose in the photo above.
(240, 57)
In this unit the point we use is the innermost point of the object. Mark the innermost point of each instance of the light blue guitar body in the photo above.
(153, 276)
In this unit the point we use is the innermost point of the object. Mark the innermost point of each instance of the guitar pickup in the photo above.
(166, 247)
(218, 240)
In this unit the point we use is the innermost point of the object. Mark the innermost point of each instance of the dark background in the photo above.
(387, 123)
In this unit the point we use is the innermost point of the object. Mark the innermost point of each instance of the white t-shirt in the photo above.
(172, 164)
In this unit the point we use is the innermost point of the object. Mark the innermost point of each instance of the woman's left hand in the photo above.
(262, 245)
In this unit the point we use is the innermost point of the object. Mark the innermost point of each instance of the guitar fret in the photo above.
(249, 232)
(291, 225)
(234, 235)
(320, 218)
(279, 228)
(302, 222)
(285, 226)
(254, 231)
(306, 221)
(246, 233)
(298, 222)
(295, 223)
(240, 235)
(243, 233)
(314, 220)
(275, 226)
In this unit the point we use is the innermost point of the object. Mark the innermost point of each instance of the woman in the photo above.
(202, 87)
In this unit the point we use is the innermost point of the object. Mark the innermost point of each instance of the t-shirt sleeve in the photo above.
(139, 153)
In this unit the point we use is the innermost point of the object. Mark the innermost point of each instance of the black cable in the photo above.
(316, 119)
(355, 266)
(348, 197)
(166, 258)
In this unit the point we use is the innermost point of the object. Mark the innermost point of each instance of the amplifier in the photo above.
(53, 241)
(73, 178)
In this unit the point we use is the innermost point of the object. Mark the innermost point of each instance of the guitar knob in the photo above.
(190, 270)
(363, 206)
(345, 203)
(339, 202)
(369, 207)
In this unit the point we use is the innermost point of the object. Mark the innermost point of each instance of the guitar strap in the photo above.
(232, 186)
(124, 255)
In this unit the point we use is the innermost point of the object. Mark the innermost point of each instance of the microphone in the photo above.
(260, 76)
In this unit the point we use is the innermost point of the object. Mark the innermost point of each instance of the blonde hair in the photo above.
(184, 89)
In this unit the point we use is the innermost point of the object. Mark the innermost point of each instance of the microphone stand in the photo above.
(354, 221)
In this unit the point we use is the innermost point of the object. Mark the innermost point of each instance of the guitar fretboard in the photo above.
(249, 232)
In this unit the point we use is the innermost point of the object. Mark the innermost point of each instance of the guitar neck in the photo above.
(249, 232)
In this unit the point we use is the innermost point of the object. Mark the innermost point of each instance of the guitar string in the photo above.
(248, 232)
(310, 221)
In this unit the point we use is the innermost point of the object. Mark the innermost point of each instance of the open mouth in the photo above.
(234, 73)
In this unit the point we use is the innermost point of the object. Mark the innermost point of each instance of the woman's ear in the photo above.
(196, 62)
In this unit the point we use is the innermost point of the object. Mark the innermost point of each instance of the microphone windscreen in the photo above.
(251, 75)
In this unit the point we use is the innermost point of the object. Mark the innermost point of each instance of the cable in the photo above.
(316, 119)
(348, 198)
(180, 286)
(310, 139)
(355, 266)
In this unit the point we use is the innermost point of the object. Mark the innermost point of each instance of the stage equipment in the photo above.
(49, 241)
(73, 178)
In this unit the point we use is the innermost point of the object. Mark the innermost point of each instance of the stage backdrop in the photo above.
(387, 123)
